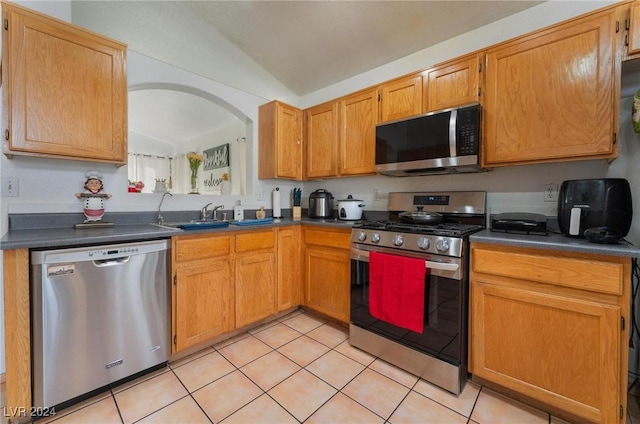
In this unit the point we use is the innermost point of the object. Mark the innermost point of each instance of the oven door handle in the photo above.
(359, 254)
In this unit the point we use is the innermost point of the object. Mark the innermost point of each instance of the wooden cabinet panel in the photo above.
(540, 328)
(189, 248)
(401, 98)
(333, 238)
(255, 240)
(327, 281)
(255, 287)
(203, 301)
(453, 83)
(553, 348)
(559, 269)
(634, 29)
(279, 141)
(358, 119)
(321, 144)
(550, 95)
(65, 90)
(289, 272)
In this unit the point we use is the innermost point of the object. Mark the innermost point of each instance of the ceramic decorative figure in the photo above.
(92, 198)
(195, 160)
(225, 184)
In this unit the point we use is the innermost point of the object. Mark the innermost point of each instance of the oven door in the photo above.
(444, 335)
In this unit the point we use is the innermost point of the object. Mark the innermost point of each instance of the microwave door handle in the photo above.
(441, 266)
(453, 143)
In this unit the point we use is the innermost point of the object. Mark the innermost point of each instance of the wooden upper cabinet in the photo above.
(401, 98)
(453, 83)
(550, 95)
(358, 119)
(64, 89)
(634, 29)
(280, 141)
(322, 140)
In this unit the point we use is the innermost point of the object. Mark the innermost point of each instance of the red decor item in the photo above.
(396, 290)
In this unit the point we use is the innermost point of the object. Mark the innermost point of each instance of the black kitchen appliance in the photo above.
(597, 209)
(519, 223)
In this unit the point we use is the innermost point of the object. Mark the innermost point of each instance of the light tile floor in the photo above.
(299, 368)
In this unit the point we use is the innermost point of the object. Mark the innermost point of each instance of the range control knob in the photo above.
(398, 240)
(442, 245)
(362, 236)
(423, 243)
(375, 237)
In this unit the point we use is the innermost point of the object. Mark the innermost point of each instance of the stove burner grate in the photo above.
(442, 229)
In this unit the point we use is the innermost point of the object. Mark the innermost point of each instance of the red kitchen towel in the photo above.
(396, 290)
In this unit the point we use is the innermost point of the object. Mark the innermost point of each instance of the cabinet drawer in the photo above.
(255, 240)
(337, 238)
(583, 272)
(191, 248)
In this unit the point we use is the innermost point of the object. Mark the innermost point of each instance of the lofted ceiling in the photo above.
(304, 45)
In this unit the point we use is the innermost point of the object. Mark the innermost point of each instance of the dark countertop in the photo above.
(36, 238)
(555, 242)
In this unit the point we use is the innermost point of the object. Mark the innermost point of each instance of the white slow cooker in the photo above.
(350, 209)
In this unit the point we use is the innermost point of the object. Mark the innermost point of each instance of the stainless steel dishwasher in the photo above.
(99, 314)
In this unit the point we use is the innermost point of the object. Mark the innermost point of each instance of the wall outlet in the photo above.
(376, 194)
(9, 187)
(551, 192)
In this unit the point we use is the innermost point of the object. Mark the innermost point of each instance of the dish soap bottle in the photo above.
(238, 211)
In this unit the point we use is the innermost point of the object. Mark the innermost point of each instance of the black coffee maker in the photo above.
(599, 210)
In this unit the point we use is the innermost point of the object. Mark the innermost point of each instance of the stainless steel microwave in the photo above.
(442, 142)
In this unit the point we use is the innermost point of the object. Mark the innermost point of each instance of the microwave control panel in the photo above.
(468, 131)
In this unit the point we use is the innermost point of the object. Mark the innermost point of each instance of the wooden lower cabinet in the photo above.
(289, 272)
(255, 276)
(202, 295)
(327, 268)
(549, 325)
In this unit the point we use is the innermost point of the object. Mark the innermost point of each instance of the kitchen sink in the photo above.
(196, 224)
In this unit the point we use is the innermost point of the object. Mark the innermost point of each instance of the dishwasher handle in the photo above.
(112, 262)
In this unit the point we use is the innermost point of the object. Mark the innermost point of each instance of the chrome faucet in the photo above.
(204, 212)
(160, 218)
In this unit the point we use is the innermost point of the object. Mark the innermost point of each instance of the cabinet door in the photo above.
(550, 95)
(401, 98)
(66, 90)
(289, 268)
(280, 141)
(327, 281)
(255, 287)
(634, 29)
(322, 140)
(359, 116)
(453, 83)
(550, 347)
(203, 301)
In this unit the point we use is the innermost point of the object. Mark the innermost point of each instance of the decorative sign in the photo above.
(215, 164)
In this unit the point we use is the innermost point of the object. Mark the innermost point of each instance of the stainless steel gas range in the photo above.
(410, 283)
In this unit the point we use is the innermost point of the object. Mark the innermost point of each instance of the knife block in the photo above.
(297, 213)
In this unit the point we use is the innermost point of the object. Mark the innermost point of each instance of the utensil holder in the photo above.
(297, 213)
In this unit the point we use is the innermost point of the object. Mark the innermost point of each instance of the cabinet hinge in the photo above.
(6, 135)
(621, 412)
(615, 138)
(627, 23)
(175, 339)
(479, 67)
(379, 97)
(617, 27)
(626, 40)
(479, 91)
(622, 323)
(175, 280)
(6, 24)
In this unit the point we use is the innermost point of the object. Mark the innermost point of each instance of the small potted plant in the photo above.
(195, 160)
